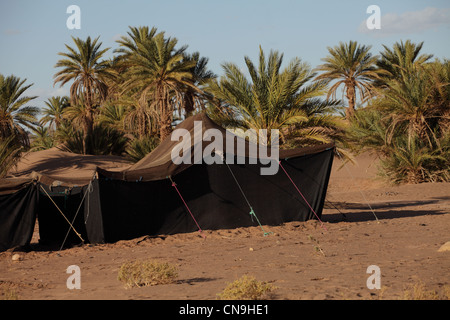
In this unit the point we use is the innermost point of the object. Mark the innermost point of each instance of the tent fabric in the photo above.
(130, 209)
(8, 186)
(26, 198)
(66, 167)
(17, 216)
(142, 201)
(127, 201)
(53, 226)
(20, 209)
(65, 176)
(159, 165)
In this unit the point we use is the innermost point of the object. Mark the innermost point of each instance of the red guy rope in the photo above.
(303, 196)
(199, 229)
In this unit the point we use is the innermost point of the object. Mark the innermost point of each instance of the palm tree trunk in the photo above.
(89, 129)
(189, 103)
(351, 95)
(165, 121)
(165, 127)
(85, 136)
(89, 122)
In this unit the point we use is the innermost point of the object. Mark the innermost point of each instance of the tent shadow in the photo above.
(367, 215)
(379, 205)
(383, 210)
(47, 247)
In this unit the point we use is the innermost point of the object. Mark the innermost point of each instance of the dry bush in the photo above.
(8, 291)
(246, 288)
(418, 291)
(147, 273)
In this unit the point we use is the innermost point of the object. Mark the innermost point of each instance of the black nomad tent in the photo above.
(53, 196)
(158, 195)
(55, 205)
(18, 199)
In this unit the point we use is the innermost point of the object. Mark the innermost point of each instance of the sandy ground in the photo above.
(303, 260)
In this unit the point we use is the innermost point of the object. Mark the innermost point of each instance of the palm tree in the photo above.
(15, 115)
(102, 141)
(88, 73)
(42, 139)
(417, 100)
(407, 124)
(400, 59)
(76, 115)
(139, 148)
(138, 118)
(440, 97)
(274, 98)
(416, 162)
(352, 66)
(201, 76)
(53, 111)
(112, 115)
(9, 154)
(160, 73)
(136, 37)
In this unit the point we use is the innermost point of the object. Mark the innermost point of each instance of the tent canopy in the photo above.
(108, 199)
(66, 167)
(159, 164)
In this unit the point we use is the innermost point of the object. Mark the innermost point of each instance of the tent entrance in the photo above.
(56, 211)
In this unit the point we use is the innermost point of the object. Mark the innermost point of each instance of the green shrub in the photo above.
(139, 148)
(102, 141)
(416, 162)
(10, 152)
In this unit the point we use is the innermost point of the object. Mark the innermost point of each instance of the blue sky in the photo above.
(33, 32)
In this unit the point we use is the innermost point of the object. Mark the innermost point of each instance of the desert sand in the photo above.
(317, 260)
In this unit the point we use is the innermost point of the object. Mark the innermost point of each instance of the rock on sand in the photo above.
(445, 247)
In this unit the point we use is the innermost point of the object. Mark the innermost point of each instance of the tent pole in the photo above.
(88, 189)
(45, 191)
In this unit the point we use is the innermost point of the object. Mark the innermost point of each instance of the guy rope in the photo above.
(252, 212)
(187, 207)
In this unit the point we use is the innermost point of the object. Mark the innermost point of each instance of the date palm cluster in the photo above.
(125, 101)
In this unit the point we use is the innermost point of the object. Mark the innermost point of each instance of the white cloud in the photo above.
(409, 22)
(116, 37)
(11, 32)
(45, 93)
